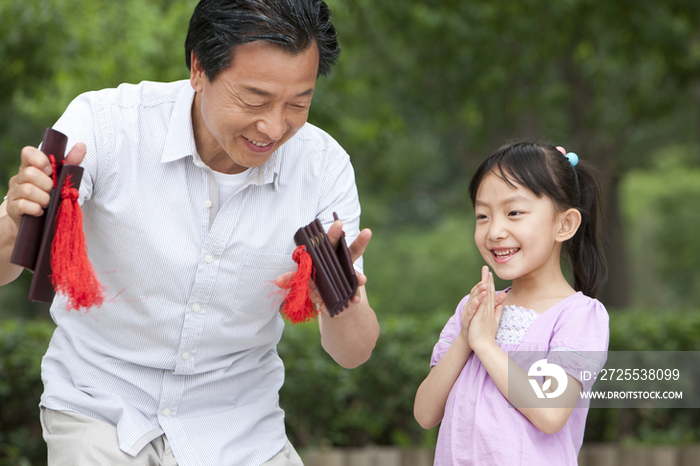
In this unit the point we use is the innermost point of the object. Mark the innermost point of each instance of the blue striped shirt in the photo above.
(185, 343)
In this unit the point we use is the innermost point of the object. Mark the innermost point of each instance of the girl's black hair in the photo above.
(544, 170)
(218, 26)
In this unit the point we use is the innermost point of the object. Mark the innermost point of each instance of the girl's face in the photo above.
(517, 233)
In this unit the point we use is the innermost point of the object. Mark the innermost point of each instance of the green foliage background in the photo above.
(424, 90)
(327, 405)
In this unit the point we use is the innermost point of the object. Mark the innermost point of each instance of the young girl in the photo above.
(532, 202)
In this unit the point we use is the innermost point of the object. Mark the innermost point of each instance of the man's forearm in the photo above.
(8, 235)
(350, 337)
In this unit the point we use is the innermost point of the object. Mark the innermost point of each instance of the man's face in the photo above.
(252, 107)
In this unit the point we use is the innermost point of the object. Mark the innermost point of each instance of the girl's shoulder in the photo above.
(580, 303)
(580, 323)
(579, 310)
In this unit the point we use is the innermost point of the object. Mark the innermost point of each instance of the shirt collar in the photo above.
(269, 171)
(179, 142)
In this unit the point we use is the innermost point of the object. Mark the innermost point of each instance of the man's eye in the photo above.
(253, 104)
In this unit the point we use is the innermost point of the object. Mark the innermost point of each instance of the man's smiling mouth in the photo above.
(257, 143)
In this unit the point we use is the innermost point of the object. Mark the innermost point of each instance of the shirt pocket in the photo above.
(255, 290)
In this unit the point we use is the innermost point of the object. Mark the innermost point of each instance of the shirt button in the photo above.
(196, 308)
(185, 356)
(207, 204)
(166, 412)
(208, 258)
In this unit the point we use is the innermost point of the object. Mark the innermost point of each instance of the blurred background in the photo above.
(423, 92)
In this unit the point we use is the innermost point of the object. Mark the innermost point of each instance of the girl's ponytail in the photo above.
(584, 249)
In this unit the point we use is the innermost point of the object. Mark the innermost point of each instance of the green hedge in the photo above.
(22, 345)
(649, 331)
(373, 404)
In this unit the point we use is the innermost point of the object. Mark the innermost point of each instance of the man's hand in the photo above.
(29, 194)
(357, 248)
(349, 337)
(30, 189)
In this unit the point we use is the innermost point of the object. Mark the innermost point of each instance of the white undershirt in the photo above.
(229, 184)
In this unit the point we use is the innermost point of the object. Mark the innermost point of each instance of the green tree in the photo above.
(426, 89)
(423, 91)
(54, 50)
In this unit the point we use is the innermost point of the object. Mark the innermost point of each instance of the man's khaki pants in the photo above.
(77, 440)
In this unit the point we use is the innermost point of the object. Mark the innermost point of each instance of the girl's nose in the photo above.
(497, 231)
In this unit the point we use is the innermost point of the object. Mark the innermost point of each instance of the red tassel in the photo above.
(72, 273)
(298, 306)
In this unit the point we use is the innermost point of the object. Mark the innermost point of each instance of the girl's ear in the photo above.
(569, 221)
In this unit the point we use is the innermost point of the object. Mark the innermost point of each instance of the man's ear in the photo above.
(197, 75)
(569, 222)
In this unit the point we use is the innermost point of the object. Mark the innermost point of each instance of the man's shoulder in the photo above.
(310, 134)
(310, 150)
(143, 94)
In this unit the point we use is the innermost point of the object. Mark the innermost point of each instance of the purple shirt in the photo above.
(480, 428)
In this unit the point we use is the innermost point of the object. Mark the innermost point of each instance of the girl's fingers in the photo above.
(499, 311)
(477, 288)
(492, 288)
(476, 291)
(500, 298)
(473, 305)
(480, 299)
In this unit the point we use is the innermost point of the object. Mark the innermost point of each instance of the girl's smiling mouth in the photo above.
(502, 255)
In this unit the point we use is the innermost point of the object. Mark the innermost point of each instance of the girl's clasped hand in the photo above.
(482, 312)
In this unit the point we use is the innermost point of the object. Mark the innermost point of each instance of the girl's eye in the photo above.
(480, 216)
(514, 213)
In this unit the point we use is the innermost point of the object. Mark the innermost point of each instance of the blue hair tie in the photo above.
(573, 160)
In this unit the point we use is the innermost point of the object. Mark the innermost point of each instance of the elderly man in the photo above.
(193, 191)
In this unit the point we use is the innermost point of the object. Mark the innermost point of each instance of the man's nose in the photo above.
(273, 124)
